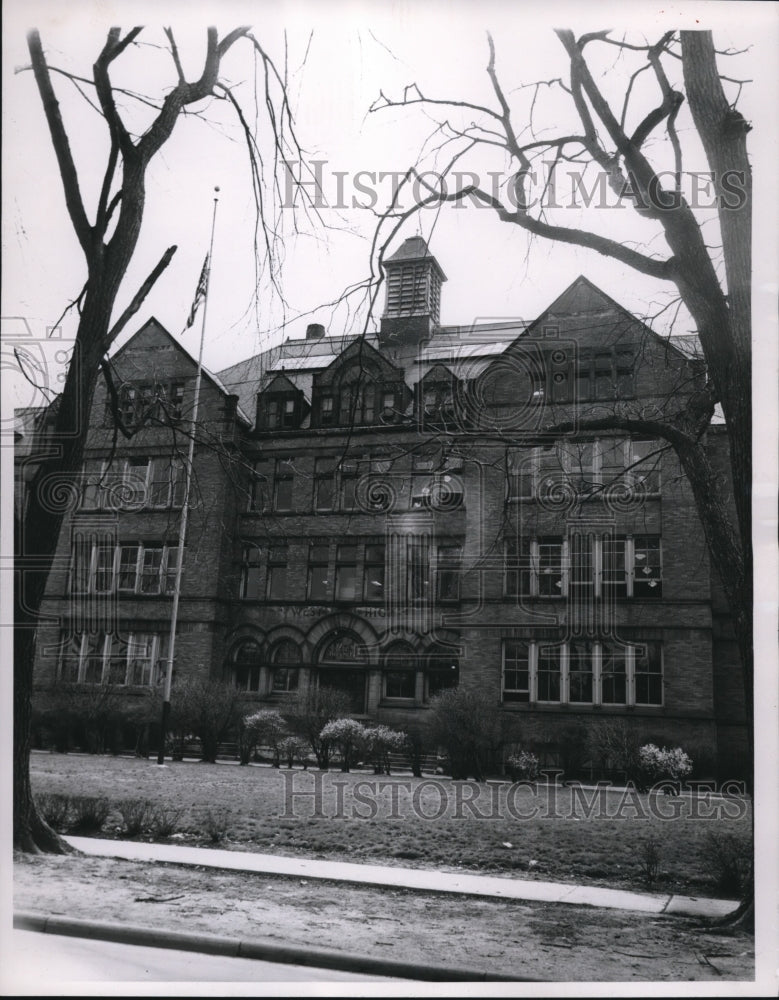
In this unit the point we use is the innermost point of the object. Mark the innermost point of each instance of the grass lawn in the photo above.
(557, 833)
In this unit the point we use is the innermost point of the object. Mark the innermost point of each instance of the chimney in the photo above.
(315, 331)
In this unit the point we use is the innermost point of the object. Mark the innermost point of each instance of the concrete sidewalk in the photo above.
(425, 880)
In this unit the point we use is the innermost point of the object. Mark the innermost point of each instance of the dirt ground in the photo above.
(541, 941)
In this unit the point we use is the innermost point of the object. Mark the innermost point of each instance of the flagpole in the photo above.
(185, 506)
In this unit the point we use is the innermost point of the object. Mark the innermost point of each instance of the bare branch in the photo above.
(139, 297)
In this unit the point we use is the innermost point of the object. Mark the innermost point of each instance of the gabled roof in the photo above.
(363, 352)
(153, 322)
(414, 248)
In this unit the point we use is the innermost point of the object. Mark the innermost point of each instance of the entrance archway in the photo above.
(343, 665)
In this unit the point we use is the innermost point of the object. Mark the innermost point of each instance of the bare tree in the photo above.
(107, 224)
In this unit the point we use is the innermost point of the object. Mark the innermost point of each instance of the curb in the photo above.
(210, 944)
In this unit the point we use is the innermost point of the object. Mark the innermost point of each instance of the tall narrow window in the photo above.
(614, 574)
(613, 673)
(250, 572)
(317, 571)
(645, 458)
(171, 565)
(346, 573)
(324, 484)
(128, 568)
(549, 673)
(277, 573)
(448, 572)
(104, 569)
(246, 665)
(419, 569)
(516, 670)
(549, 567)
(399, 673)
(282, 492)
(285, 659)
(259, 493)
(151, 569)
(580, 672)
(648, 673)
(373, 586)
(647, 567)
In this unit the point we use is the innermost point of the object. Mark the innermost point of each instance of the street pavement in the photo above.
(36, 963)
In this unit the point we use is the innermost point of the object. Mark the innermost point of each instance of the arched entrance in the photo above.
(343, 665)
(244, 665)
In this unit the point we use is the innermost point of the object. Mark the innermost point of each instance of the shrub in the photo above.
(89, 813)
(268, 728)
(310, 712)
(616, 745)
(348, 736)
(380, 742)
(165, 820)
(134, 813)
(664, 764)
(54, 808)
(294, 748)
(522, 766)
(729, 858)
(471, 728)
(650, 860)
(216, 824)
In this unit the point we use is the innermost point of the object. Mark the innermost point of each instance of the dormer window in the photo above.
(281, 412)
(326, 411)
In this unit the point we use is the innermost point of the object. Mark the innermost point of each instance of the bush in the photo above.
(294, 748)
(134, 813)
(54, 808)
(472, 728)
(349, 737)
(268, 728)
(616, 746)
(89, 813)
(216, 824)
(310, 712)
(380, 742)
(522, 766)
(729, 858)
(165, 820)
(662, 764)
(650, 861)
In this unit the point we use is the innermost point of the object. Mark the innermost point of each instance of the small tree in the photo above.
(208, 709)
(472, 729)
(267, 728)
(310, 712)
(664, 764)
(349, 737)
(294, 748)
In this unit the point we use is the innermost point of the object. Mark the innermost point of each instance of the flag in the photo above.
(200, 293)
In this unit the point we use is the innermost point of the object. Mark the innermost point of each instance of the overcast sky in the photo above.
(339, 56)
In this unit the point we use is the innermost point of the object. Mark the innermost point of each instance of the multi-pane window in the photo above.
(648, 674)
(605, 373)
(350, 472)
(448, 572)
(418, 568)
(150, 402)
(326, 410)
(281, 412)
(346, 573)
(318, 557)
(516, 670)
(579, 672)
(251, 569)
(547, 567)
(137, 659)
(373, 580)
(246, 662)
(632, 567)
(644, 462)
(285, 659)
(282, 485)
(277, 573)
(127, 568)
(399, 675)
(133, 483)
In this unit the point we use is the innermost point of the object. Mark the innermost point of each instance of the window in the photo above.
(418, 565)
(520, 467)
(259, 495)
(285, 659)
(358, 402)
(138, 659)
(443, 672)
(647, 569)
(250, 572)
(318, 554)
(281, 411)
(326, 411)
(439, 491)
(583, 672)
(246, 665)
(547, 567)
(324, 484)
(613, 674)
(346, 573)
(399, 675)
(133, 484)
(282, 487)
(534, 567)
(580, 672)
(607, 373)
(373, 580)
(516, 670)
(149, 402)
(549, 673)
(632, 567)
(615, 561)
(645, 475)
(648, 674)
(448, 572)
(127, 568)
(350, 471)
(277, 573)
